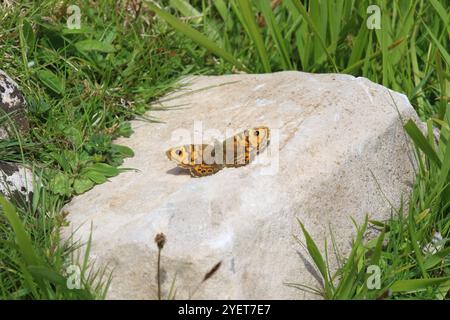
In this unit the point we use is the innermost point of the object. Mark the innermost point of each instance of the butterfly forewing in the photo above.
(243, 147)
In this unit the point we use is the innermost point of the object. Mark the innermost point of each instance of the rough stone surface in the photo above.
(15, 180)
(338, 150)
(12, 103)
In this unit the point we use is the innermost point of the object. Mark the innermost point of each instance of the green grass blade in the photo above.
(22, 238)
(302, 10)
(51, 80)
(317, 258)
(186, 9)
(253, 32)
(91, 45)
(359, 46)
(443, 176)
(335, 9)
(416, 284)
(413, 232)
(443, 14)
(421, 142)
(349, 271)
(315, 253)
(196, 36)
(274, 28)
(382, 40)
(441, 49)
(376, 255)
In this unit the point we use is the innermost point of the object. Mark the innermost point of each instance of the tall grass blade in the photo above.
(276, 34)
(421, 142)
(22, 238)
(248, 19)
(317, 258)
(196, 36)
(302, 10)
(417, 284)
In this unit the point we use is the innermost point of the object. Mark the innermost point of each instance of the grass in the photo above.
(82, 87)
(409, 53)
(410, 251)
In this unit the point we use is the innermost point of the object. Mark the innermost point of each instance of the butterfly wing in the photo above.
(202, 170)
(243, 147)
(187, 155)
(198, 158)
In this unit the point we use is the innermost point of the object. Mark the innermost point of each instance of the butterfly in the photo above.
(205, 159)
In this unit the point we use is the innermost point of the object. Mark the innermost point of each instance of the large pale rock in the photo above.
(338, 150)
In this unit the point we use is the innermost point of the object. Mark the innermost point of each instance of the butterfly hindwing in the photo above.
(188, 155)
(198, 158)
(202, 170)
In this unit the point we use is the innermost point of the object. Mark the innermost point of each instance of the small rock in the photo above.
(12, 103)
(16, 181)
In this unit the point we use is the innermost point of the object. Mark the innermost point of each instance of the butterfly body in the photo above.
(239, 150)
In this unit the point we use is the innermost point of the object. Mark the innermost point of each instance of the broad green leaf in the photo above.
(123, 150)
(95, 176)
(60, 184)
(51, 80)
(94, 45)
(83, 30)
(103, 168)
(81, 185)
(435, 259)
